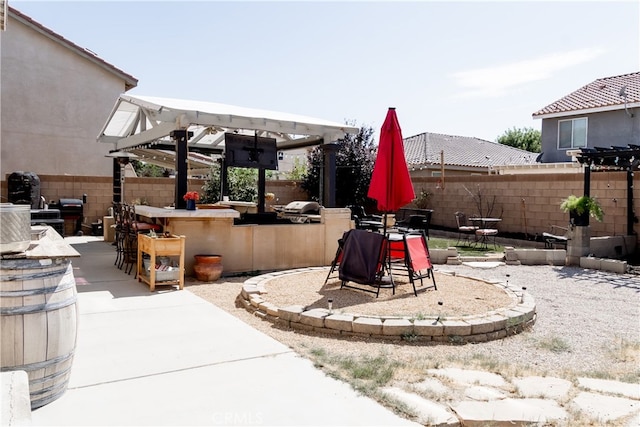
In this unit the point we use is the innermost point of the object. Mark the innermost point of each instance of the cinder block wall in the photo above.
(151, 191)
(526, 203)
(531, 203)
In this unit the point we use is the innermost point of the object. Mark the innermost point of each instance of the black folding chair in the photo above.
(363, 261)
(336, 260)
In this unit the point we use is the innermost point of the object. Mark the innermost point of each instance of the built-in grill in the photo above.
(301, 211)
(72, 210)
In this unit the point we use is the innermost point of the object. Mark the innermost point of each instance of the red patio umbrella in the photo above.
(391, 184)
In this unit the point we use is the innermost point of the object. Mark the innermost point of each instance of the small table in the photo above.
(486, 228)
(160, 246)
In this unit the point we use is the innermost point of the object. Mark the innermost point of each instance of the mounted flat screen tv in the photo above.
(245, 151)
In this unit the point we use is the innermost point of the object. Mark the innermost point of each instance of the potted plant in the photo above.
(191, 197)
(581, 208)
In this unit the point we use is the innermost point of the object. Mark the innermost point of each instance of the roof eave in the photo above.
(583, 111)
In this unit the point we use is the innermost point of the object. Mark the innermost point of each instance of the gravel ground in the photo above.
(588, 323)
(455, 295)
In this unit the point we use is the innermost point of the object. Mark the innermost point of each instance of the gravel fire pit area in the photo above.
(462, 309)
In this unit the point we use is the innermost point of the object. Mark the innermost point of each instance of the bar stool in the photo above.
(133, 227)
(120, 233)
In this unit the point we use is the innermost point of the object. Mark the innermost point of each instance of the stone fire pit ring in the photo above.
(492, 325)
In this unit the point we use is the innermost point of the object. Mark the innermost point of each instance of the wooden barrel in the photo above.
(38, 315)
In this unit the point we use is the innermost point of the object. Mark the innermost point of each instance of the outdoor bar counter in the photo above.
(252, 247)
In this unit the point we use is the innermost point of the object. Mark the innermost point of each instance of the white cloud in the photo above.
(496, 81)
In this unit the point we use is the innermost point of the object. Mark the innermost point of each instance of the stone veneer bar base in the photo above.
(494, 324)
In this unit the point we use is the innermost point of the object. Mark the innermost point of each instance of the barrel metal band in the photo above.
(27, 309)
(48, 272)
(39, 365)
(38, 291)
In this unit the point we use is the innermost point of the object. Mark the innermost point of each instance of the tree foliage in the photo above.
(528, 139)
(149, 170)
(354, 164)
(243, 184)
(298, 171)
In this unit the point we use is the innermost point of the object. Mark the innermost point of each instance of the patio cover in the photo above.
(154, 129)
(143, 124)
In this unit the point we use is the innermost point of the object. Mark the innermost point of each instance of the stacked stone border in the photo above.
(492, 325)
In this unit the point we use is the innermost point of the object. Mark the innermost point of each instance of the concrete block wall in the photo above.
(526, 203)
(151, 191)
(531, 203)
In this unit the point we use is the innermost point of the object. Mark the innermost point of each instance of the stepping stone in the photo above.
(633, 421)
(549, 387)
(610, 386)
(509, 412)
(480, 264)
(470, 377)
(482, 393)
(428, 412)
(605, 408)
(432, 385)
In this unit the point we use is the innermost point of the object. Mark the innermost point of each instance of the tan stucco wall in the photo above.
(250, 248)
(54, 104)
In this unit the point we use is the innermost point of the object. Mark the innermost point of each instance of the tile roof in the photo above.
(600, 95)
(463, 151)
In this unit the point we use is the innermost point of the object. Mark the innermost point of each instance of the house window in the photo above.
(572, 133)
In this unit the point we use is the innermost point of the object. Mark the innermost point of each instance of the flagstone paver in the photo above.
(428, 412)
(483, 393)
(509, 412)
(481, 398)
(549, 387)
(605, 408)
(470, 377)
(610, 386)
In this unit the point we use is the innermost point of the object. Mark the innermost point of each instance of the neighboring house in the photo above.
(603, 113)
(55, 96)
(428, 153)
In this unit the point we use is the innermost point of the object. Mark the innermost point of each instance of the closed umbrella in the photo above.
(390, 184)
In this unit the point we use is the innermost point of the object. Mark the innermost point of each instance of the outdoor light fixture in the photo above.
(330, 304)
(439, 312)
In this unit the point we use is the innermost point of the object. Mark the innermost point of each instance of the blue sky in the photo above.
(473, 68)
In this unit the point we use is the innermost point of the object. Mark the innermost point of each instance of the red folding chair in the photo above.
(418, 260)
(409, 256)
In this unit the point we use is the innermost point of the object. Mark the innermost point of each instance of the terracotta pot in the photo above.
(208, 268)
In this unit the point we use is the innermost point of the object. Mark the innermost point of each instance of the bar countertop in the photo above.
(168, 212)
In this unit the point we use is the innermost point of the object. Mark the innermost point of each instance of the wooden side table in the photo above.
(160, 246)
